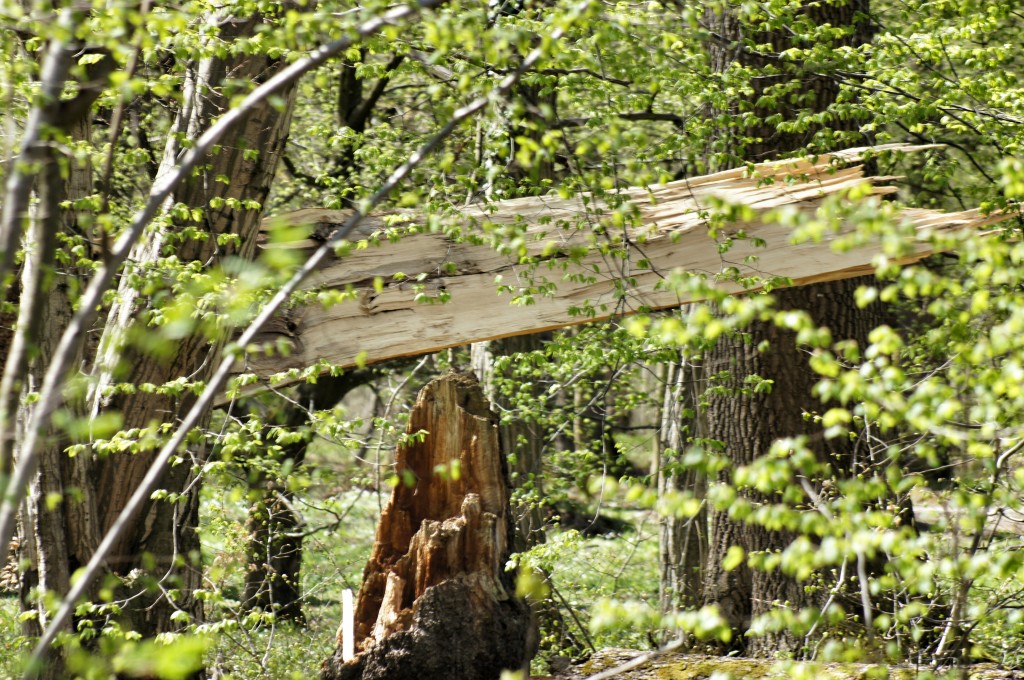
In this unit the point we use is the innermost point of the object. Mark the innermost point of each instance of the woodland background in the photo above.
(829, 472)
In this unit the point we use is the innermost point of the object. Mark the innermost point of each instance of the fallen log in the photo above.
(436, 602)
(396, 288)
(624, 664)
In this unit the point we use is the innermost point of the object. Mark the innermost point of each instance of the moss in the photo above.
(694, 667)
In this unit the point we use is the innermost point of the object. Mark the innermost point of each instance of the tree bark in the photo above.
(54, 538)
(436, 601)
(748, 425)
(683, 541)
(157, 564)
(521, 440)
(166, 532)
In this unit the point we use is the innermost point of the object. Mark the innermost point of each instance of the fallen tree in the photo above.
(386, 312)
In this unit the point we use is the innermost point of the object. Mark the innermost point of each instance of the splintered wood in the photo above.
(396, 287)
(436, 601)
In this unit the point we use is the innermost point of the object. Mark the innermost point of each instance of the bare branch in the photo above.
(636, 662)
(585, 72)
(44, 114)
(675, 119)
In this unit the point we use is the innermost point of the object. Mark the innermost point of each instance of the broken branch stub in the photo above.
(436, 601)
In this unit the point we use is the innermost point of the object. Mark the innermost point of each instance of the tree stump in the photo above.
(436, 601)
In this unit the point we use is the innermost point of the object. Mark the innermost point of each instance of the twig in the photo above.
(572, 613)
(637, 661)
(380, 438)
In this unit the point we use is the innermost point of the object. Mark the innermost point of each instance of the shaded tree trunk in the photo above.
(249, 159)
(157, 562)
(436, 601)
(748, 425)
(273, 578)
(55, 537)
(521, 440)
(683, 541)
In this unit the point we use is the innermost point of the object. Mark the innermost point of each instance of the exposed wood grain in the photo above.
(436, 600)
(380, 323)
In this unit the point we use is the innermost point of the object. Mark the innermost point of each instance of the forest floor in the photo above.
(611, 555)
(626, 664)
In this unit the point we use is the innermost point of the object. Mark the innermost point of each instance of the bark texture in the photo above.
(436, 601)
(792, 88)
(750, 424)
(683, 541)
(55, 538)
(156, 566)
(163, 531)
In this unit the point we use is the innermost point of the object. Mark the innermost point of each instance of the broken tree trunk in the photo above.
(576, 268)
(436, 601)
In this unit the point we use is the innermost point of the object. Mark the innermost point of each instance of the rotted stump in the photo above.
(436, 601)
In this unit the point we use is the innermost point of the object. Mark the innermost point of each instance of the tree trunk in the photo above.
(55, 538)
(157, 562)
(436, 601)
(683, 541)
(273, 577)
(748, 425)
(249, 160)
(521, 440)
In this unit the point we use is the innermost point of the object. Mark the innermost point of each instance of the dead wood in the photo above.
(396, 288)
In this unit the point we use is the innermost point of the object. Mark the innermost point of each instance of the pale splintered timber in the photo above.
(427, 291)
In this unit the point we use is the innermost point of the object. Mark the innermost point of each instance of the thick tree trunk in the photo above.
(166, 532)
(436, 601)
(157, 561)
(750, 424)
(793, 89)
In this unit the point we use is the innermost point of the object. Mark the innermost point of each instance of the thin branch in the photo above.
(637, 661)
(116, 127)
(572, 613)
(220, 376)
(865, 597)
(586, 72)
(849, 78)
(43, 115)
(674, 118)
(293, 170)
(357, 120)
(380, 439)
